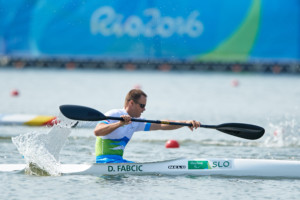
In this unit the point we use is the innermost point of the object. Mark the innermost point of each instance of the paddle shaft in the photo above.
(159, 122)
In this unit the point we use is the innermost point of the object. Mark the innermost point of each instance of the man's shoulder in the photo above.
(116, 112)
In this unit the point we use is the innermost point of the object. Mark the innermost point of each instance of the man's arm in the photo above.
(103, 129)
(154, 127)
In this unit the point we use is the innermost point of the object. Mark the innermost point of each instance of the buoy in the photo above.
(172, 144)
(14, 93)
(137, 86)
(235, 83)
(278, 132)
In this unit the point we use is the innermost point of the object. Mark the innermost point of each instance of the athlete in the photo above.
(113, 135)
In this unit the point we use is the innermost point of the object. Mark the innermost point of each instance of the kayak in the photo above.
(182, 166)
(27, 119)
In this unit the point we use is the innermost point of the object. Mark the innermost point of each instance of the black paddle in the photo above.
(82, 113)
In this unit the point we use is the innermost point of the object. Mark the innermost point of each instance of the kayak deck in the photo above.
(197, 167)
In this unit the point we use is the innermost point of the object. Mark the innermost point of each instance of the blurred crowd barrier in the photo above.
(159, 65)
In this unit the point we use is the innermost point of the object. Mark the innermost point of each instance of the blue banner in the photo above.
(150, 29)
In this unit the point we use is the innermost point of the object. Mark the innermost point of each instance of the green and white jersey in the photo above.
(115, 142)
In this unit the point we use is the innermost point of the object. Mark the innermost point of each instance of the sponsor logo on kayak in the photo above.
(125, 168)
(176, 167)
(195, 164)
(213, 164)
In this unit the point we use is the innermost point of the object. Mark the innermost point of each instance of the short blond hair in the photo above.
(135, 95)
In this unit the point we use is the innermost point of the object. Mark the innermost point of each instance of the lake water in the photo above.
(270, 101)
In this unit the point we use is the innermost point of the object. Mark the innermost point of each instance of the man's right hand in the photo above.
(127, 120)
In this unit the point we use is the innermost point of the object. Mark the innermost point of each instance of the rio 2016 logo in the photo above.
(107, 22)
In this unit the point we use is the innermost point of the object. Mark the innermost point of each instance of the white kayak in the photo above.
(195, 167)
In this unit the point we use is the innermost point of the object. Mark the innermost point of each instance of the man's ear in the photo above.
(131, 102)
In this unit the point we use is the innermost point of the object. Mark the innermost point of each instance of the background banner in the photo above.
(214, 30)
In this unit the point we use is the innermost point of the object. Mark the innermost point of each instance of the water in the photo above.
(265, 100)
(43, 149)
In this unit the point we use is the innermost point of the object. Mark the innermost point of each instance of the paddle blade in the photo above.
(246, 131)
(81, 113)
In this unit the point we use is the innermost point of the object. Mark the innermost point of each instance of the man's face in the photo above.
(138, 107)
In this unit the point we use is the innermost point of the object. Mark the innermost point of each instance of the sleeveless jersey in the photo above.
(115, 142)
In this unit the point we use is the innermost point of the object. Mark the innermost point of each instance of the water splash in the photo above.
(283, 134)
(41, 150)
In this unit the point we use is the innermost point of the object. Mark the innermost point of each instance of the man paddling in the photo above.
(113, 135)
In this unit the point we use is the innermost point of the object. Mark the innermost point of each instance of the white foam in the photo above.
(43, 149)
(283, 134)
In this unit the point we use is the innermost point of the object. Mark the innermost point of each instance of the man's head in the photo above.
(135, 102)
